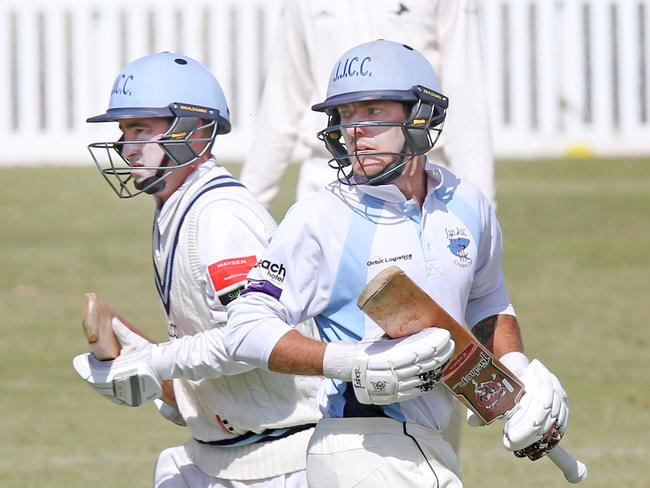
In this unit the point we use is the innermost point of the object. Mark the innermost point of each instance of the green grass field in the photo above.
(577, 237)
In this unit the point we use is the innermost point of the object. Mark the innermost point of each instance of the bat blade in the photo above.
(97, 325)
(96, 322)
(400, 307)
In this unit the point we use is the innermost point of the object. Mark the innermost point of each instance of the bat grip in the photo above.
(574, 470)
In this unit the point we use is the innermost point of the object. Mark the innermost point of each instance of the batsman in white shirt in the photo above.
(311, 35)
(248, 427)
(384, 410)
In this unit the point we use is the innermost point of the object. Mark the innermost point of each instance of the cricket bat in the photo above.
(401, 308)
(96, 323)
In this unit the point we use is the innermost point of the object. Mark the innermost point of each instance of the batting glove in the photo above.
(127, 380)
(539, 420)
(387, 371)
(129, 340)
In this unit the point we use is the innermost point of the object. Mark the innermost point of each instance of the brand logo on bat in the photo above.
(488, 393)
(461, 357)
(467, 378)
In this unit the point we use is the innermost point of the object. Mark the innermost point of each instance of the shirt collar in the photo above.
(391, 194)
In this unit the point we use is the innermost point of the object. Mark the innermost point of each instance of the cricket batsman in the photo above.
(247, 427)
(390, 206)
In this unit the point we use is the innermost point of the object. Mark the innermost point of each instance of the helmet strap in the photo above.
(156, 183)
(393, 171)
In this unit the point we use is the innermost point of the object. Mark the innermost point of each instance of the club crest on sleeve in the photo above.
(229, 276)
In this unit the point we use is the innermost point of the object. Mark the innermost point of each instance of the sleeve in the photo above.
(230, 239)
(288, 286)
(288, 86)
(466, 135)
(488, 295)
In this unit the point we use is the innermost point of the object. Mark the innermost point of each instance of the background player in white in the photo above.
(248, 427)
(391, 206)
(312, 35)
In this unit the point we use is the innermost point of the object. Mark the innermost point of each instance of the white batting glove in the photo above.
(127, 380)
(129, 340)
(539, 420)
(387, 371)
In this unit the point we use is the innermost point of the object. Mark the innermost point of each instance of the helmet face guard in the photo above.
(382, 70)
(161, 85)
(178, 145)
(427, 115)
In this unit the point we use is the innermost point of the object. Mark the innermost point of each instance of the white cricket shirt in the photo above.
(331, 244)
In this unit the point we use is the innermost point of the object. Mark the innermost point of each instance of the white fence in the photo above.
(566, 73)
(561, 73)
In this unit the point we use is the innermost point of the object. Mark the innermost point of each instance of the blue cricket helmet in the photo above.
(378, 70)
(390, 71)
(164, 85)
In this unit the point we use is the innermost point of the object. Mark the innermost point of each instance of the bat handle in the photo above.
(574, 470)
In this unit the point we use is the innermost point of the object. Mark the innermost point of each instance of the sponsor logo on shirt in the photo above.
(458, 244)
(276, 272)
(374, 261)
(229, 276)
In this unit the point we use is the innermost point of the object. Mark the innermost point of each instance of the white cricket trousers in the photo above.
(175, 470)
(379, 453)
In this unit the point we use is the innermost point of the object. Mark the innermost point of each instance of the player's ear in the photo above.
(119, 147)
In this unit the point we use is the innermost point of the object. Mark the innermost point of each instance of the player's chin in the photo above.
(141, 175)
(369, 166)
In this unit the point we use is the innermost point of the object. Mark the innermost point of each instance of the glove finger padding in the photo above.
(539, 420)
(127, 380)
(129, 340)
(394, 370)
